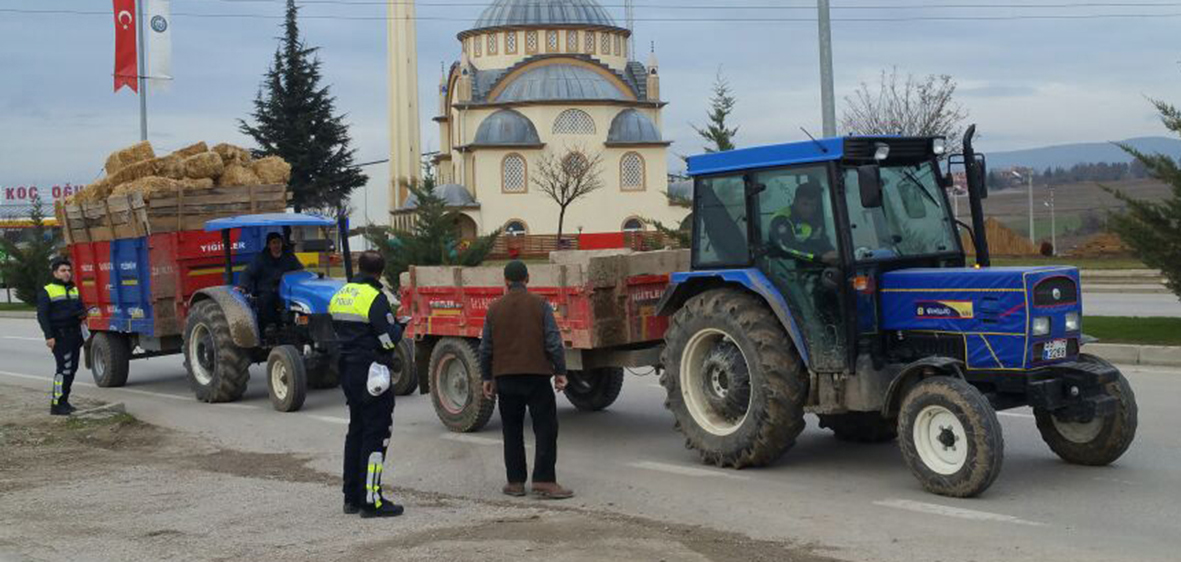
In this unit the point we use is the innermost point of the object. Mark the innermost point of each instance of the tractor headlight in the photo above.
(881, 152)
(1072, 322)
(1041, 326)
(939, 146)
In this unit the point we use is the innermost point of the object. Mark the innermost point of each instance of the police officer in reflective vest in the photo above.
(368, 334)
(60, 313)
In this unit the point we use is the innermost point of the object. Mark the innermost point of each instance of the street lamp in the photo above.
(1032, 238)
(1053, 225)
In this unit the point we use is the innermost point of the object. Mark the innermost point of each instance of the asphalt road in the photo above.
(1131, 304)
(853, 502)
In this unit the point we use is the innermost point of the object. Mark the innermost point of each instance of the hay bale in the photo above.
(231, 154)
(147, 187)
(137, 152)
(133, 172)
(204, 165)
(272, 170)
(96, 191)
(190, 184)
(237, 175)
(191, 150)
(171, 166)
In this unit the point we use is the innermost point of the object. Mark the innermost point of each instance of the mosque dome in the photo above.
(507, 128)
(561, 82)
(516, 13)
(633, 127)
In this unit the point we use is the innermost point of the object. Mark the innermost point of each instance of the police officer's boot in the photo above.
(385, 509)
(69, 408)
(58, 410)
(351, 507)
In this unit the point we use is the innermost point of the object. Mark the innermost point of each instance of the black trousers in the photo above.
(269, 311)
(67, 353)
(371, 422)
(536, 393)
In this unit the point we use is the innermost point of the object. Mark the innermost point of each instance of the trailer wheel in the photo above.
(861, 427)
(950, 437)
(595, 390)
(287, 379)
(218, 370)
(110, 356)
(456, 388)
(761, 412)
(1100, 441)
(403, 379)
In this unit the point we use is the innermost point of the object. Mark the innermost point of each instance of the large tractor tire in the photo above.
(1100, 441)
(950, 437)
(110, 358)
(860, 427)
(594, 390)
(287, 380)
(456, 388)
(218, 370)
(404, 379)
(734, 380)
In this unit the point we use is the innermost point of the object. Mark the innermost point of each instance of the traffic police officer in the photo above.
(368, 334)
(60, 313)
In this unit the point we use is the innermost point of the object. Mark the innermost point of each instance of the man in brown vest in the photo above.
(520, 350)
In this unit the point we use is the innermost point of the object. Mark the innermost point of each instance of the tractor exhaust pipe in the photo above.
(975, 170)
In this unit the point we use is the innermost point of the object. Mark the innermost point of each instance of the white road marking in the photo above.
(472, 439)
(238, 406)
(947, 511)
(1115, 480)
(1016, 415)
(331, 419)
(685, 470)
(31, 377)
(89, 385)
(656, 386)
(22, 338)
(155, 394)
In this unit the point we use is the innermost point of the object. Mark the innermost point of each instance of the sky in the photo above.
(1030, 72)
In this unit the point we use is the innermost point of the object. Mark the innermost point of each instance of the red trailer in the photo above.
(604, 302)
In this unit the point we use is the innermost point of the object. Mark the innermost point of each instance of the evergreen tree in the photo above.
(294, 118)
(26, 267)
(1153, 229)
(718, 133)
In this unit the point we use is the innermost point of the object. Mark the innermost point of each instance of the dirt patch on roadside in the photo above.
(114, 488)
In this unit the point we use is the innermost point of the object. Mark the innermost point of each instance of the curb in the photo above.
(21, 314)
(1124, 354)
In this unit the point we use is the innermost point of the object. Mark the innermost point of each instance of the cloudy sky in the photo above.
(1031, 72)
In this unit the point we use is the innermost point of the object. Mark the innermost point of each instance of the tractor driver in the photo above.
(799, 230)
(262, 276)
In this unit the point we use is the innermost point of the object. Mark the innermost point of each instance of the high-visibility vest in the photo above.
(351, 303)
(58, 292)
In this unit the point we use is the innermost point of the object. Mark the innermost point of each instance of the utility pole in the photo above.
(143, 79)
(1029, 182)
(1053, 224)
(827, 101)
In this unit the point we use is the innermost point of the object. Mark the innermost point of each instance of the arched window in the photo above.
(606, 50)
(633, 225)
(510, 42)
(571, 41)
(590, 42)
(516, 227)
(551, 41)
(574, 122)
(631, 172)
(493, 40)
(514, 174)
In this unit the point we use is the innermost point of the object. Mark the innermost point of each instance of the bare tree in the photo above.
(906, 106)
(568, 178)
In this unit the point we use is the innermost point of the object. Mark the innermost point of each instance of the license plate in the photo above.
(1055, 349)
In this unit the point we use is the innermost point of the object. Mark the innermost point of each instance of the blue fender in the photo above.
(239, 313)
(306, 291)
(685, 285)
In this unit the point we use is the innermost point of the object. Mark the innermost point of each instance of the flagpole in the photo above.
(143, 80)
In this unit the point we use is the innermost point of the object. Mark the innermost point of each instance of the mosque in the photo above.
(534, 79)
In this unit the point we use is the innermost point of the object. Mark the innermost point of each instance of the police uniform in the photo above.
(368, 334)
(59, 312)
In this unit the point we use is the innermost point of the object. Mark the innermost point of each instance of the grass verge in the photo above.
(1081, 263)
(16, 307)
(1127, 329)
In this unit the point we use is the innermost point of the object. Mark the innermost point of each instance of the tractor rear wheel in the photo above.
(456, 387)
(218, 369)
(950, 437)
(403, 379)
(110, 356)
(1100, 441)
(734, 380)
(860, 427)
(594, 390)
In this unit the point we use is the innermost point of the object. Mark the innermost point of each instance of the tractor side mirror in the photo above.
(869, 179)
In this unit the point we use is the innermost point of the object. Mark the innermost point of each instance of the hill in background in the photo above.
(1068, 155)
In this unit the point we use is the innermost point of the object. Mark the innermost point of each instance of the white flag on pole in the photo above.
(159, 43)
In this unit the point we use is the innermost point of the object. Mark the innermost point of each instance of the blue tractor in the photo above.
(829, 277)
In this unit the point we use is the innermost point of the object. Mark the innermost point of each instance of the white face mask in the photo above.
(379, 379)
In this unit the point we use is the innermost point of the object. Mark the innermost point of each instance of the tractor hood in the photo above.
(992, 310)
(307, 290)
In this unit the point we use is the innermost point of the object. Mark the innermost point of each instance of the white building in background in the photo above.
(538, 76)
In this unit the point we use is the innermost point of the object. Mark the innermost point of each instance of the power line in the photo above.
(802, 6)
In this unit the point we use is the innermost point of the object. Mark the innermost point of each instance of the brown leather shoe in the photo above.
(514, 489)
(551, 491)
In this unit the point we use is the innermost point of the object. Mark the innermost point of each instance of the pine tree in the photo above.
(294, 118)
(718, 134)
(1153, 229)
(26, 268)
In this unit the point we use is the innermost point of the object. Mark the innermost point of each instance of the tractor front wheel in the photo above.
(1101, 440)
(287, 379)
(950, 437)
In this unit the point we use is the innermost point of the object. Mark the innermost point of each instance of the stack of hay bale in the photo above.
(195, 167)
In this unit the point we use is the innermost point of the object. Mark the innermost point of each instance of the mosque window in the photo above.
(551, 41)
(618, 49)
(590, 42)
(516, 227)
(571, 41)
(478, 46)
(633, 225)
(631, 172)
(606, 44)
(493, 43)
(531, 42)
(574, 122)
(510, 43)
(514, 176)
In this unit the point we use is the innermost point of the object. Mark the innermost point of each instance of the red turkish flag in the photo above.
(126, 64)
